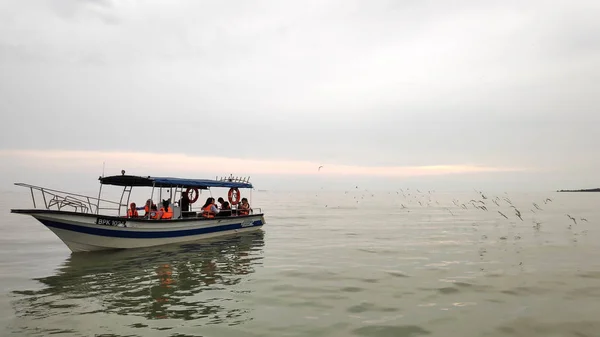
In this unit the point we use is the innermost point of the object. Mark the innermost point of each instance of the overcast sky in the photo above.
(506, 90)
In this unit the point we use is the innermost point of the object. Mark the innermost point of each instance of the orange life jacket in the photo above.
(244, 211)
(166, 214)
(207, 212)
(132, 213)
(146, 210)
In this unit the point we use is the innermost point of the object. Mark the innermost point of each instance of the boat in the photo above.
(88, 223)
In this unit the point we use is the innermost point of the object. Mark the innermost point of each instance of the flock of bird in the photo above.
(500, 204)
(478, 204)
(506, 216)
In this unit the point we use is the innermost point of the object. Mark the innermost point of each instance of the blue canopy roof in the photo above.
(199, 183)
(127, 180)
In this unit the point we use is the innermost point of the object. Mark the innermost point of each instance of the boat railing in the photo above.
(58, 200)
(234, 212)
(231, 178)
(253, 210)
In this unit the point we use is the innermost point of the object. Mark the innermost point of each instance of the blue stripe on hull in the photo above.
(145, 235)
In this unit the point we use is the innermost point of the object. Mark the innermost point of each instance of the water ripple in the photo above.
(370, 268)
(391, 331)
(192, 285)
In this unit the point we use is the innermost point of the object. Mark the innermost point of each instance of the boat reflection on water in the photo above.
(187, 282)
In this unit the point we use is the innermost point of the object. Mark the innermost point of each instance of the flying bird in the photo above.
(518, 214)
(320, 167)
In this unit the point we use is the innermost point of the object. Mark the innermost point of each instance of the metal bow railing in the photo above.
(59, 200)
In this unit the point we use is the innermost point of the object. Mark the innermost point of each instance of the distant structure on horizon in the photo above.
(586, 190)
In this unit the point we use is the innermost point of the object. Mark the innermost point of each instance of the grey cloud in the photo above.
(385, 83)
(103, 10)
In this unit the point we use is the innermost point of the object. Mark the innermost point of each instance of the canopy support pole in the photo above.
(98, 203)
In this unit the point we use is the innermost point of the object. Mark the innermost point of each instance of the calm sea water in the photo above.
(326, 264)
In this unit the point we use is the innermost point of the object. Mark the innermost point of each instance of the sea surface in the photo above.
(347, 263)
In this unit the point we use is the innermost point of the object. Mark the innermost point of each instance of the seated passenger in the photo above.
(148, 208)
(166, 212)
(132, 211)
(244, 207)
(209, 210)
(153, 214)
(225, 209)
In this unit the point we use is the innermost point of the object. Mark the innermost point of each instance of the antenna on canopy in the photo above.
(103, 169)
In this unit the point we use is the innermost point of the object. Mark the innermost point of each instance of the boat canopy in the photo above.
(204, 184)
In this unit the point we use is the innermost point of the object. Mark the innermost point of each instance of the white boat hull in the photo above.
(86, 232)
(86, 243)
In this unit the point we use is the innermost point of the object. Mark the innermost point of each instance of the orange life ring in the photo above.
(195, 194)
(234, 196)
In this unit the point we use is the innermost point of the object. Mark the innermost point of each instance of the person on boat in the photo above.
(153, 214)
(225, 209)
(185, 202)
(210, 210)
(132, 211)
(224, 204)
(148, 208)
(244, 207)
(166, 212)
